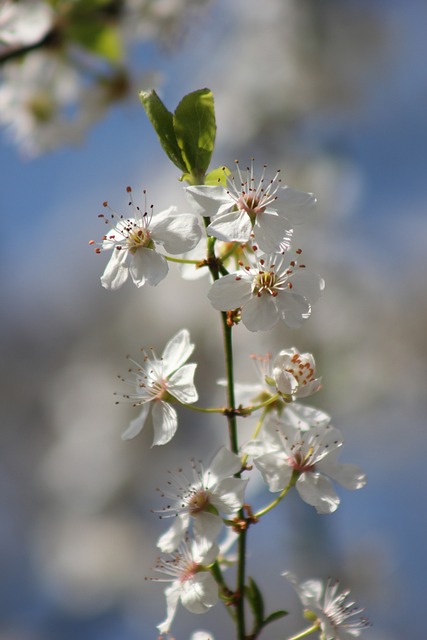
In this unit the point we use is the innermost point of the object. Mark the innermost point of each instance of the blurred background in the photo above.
(334, 93)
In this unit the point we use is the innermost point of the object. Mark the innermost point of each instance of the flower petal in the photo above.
(177, 232)
(173, 537)
(230, 292)
(146, 265)
(297, 206)
(208, 200)
(177, 351)
(235, 226)
(224, 464)
(199, 593)
(172, 594)
(228, 495)
(272, 232)
(137, 424)
(275, 471)
(317, 490)
(165, 422)
(260, 313)
(181, 384)
(116, 272)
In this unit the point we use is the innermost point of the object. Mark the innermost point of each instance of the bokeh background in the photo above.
(333, 92)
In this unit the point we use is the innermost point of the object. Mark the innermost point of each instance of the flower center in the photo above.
(198, 501)
(302, 370)
(301, 463)
(251, 203)
(265, 282)
(137, 237)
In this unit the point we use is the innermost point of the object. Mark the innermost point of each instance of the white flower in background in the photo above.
(338, 617)
(294, 374)
(157, 382)
(192, 583)
(38, 97)
(25, 22)
(263, 212)
(201, 499)
(285, 452)
(133, 243)
(276, 288)
(202, 635)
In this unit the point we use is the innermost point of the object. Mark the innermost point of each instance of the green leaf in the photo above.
(162, 121)
(97, 37)
(218, 176)
(276, 615)
(256, 602)
(195, 130)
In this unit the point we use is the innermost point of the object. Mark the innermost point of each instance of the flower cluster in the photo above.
(240, 231)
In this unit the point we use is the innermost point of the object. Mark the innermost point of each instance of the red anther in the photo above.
(97, 250)
(128, 189)
(105, 204)
(91, 241)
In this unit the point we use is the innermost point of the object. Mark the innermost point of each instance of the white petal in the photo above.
(275, 471)
(177, 232)
(228, 495)
(235, 226)
(307, 284)
(172, 594)
(293, 308)
(177, 351)
(173, 537)
(146, 265)
(165, 422)
(224, 464)
(202, 635)
(296, 206)
(260, 313)
(349, 476)
(272, 233)
(209, 201)
(207, 527)
(200, 593)
(116, 272)
(317, 490)
(286, 383)
(137, 424)
(304, 417)
(230, 292)
(181, 384)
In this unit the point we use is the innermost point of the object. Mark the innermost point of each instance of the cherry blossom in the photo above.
(276, 288)
(134, 242)
(263, 211)
(338, 616)
(192, 584)
(157, 382)
(285, 452)
(201, 499)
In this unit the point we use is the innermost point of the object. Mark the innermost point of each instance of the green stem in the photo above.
(181, 260)
(255, 434)
(201, 409)
(280, 497)
(306, 632)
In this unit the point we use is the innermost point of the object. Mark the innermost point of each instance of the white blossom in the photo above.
(38, 98)
(192, 583)
(25, 22)
(337, 615)
(202, 635)
(285, 452)
(202, 498)
(263, 212)
(276, 288)
(157, 382)
(133, 243)
(294, 374)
